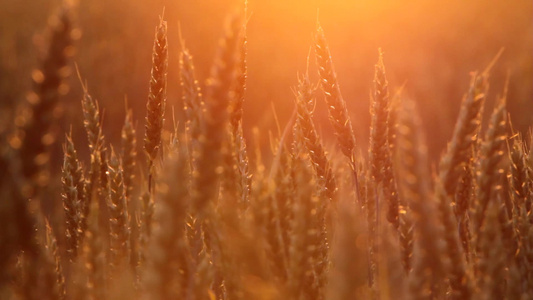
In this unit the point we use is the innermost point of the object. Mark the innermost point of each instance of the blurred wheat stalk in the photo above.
(205, 220)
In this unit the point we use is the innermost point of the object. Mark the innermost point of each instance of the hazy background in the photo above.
(430, 46)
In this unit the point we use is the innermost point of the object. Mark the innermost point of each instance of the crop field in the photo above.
(221, 150)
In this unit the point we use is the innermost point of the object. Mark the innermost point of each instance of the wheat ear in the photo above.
(311, 140)
(338, 114)
(118, 213)
(380, 157)
(92, 122)
(215, 120)
(48, 88)
(489, 162)
(73, 197)
(465, 133)
(157, 97)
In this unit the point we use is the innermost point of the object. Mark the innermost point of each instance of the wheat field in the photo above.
(189, 202)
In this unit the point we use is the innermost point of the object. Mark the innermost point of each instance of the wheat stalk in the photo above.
(465, 134)
(53, 253)
(345, 254)
(92, 122)
(118, 214)
(338, 114)
(235, 118)
(48, 88)
(73, 197)
(456, 267)
(415, 188)
(213, 133)
(93, 257)
(129, 153)
(301, 281)
(157, 96)
(491, 279)
(168, 261)
(490, 158)
(311, 140)
(379, 153)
